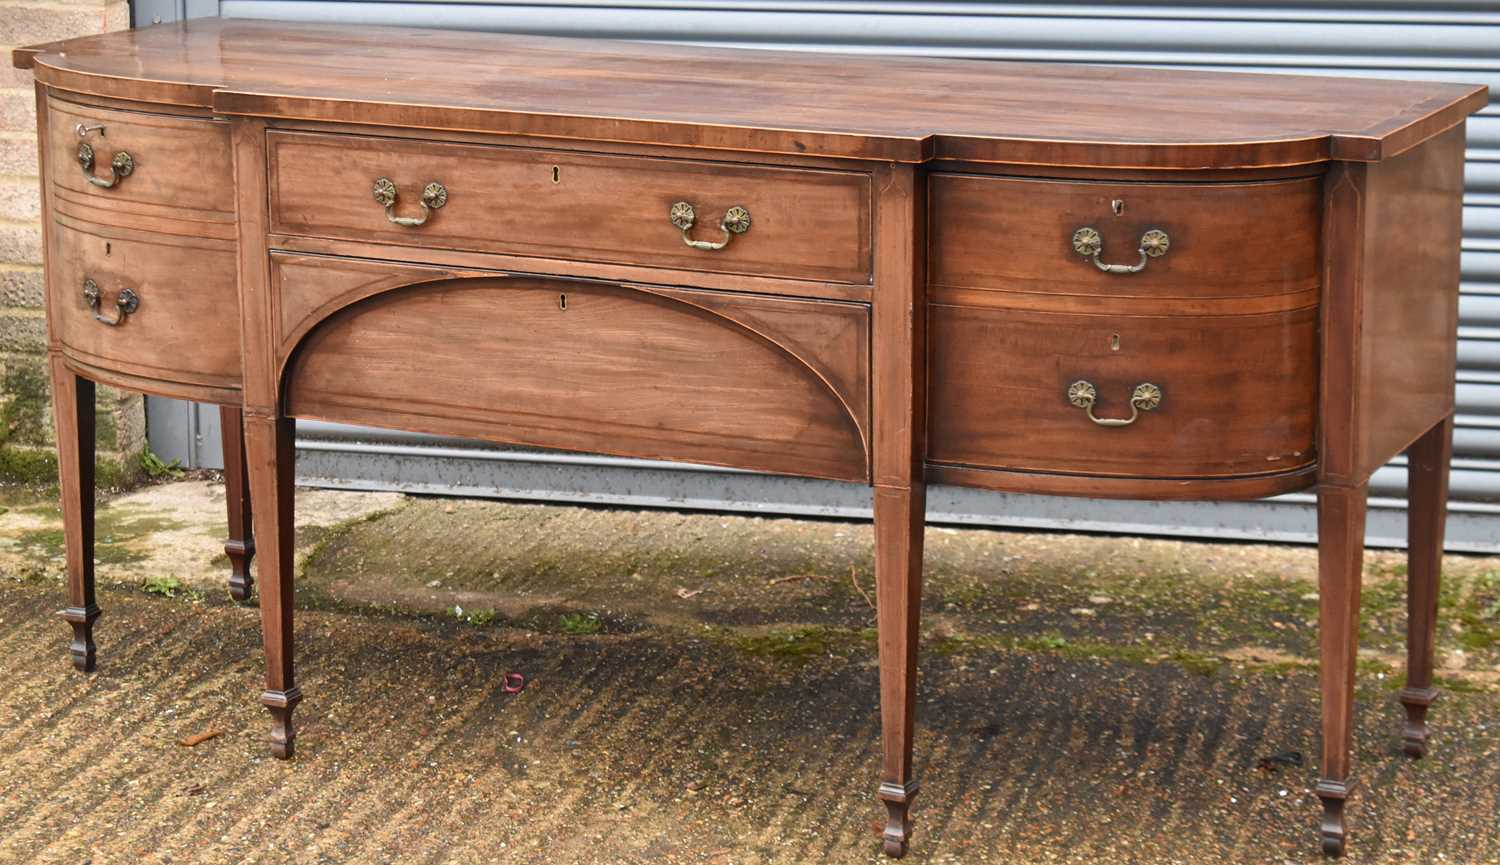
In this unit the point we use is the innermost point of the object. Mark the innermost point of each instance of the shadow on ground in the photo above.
(702, 689)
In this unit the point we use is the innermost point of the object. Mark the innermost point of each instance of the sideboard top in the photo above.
(897, 108)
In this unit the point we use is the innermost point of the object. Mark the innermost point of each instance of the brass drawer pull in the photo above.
(1146, 397)
(121, 166)
(125, 303)
(434, 195)
(736, 221)
(1088, 243)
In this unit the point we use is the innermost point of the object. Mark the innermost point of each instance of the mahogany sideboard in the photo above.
(1068, 280)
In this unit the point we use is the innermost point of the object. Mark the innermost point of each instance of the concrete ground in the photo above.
(702, 689)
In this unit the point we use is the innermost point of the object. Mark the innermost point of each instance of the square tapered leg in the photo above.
(1426, 515)
(240, 547)
(269, 445)
(1341, 544)
(899, 517)
(73, 414)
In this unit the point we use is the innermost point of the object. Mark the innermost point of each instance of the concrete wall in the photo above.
(26, 437)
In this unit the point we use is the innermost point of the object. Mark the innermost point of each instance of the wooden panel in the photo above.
(187, 324)
(830, 338)
(1227, 240)
(309, 288)
(183, 166)
(669, 374)
(805, 223)
(802, 103)
(1238, 392)
(1391, 256)
(1409, 311)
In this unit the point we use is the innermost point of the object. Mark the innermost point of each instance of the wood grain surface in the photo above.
(890, 108)
(1228, 240)
(1391, 234)
(1409, 310)
(183, 166)
(805, 224)
(585, 365)
(184, 328)
(1238, 392)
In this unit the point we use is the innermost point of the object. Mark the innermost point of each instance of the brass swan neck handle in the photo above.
(126, 302)
(736, 221)
(1146, 397)
(1089, 243)
(121, 166)
(434, 196)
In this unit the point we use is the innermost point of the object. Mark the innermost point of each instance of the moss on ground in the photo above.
(1475, 605)
(31, 498)
(792, 592)
(118, 535)
(797, 645)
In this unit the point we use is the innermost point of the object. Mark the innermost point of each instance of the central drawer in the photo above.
(795, 223)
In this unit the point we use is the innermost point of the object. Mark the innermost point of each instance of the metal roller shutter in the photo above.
(1457, 41)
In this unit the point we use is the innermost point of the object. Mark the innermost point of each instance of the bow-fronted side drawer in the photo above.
(1066, 244)
(1123, 396)
(153, 306)
(107, 165)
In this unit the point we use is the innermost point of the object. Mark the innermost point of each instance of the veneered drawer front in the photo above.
(185, 323)
(803, 223)
(1223, 240)
(752, 381)
(182, 165)
(1234, 395)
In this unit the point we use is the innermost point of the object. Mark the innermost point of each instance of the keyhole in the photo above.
(1114, 342)
(1118, 206)
(562, 301)
(556, 174)
(107, 248)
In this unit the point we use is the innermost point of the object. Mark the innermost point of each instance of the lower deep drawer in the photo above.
(764, 383)
(1210, 395)
(158, 306)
